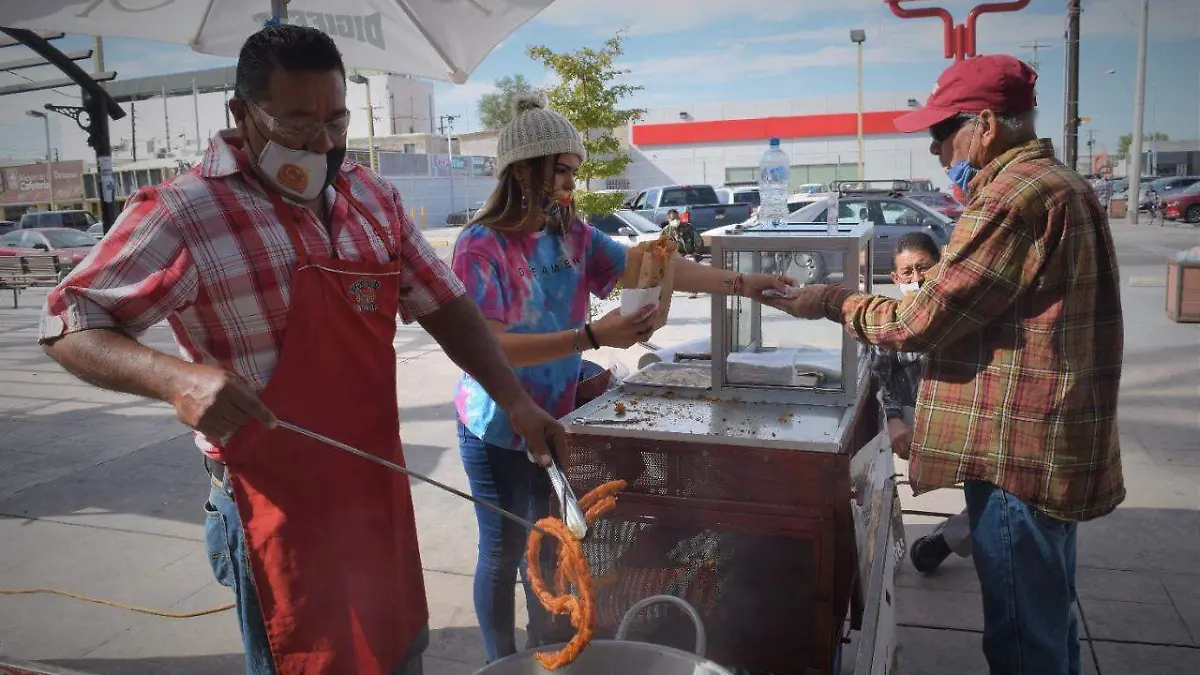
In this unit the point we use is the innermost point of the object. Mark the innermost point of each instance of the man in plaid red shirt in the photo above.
(1023, 328)
(281, 270)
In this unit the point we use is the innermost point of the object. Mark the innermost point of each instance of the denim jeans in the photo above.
(509, 480)
(1026, 566)
(227, 555)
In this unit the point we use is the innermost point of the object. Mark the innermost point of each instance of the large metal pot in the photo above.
(620, 656)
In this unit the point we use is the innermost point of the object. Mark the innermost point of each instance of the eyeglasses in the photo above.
(908, 272)
(943, 130)
(300, 134)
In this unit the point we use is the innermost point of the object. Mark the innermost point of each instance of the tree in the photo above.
(588, 96)
(1126, 140)
(496, 108)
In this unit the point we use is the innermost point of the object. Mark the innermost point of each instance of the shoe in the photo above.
(928, 552)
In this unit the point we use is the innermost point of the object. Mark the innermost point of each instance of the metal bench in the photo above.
(42, 269)
(12, 276)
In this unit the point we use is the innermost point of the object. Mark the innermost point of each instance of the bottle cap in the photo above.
(774, 142)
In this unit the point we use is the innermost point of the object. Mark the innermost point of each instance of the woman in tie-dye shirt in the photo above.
(532, 267)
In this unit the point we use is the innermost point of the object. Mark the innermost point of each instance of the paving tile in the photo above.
(28, 435)
(955, 574)
(926, 651)
(931, 608)
(453, 629)
(118, 566)
(1127, 659)
(1135, 622)
(436, 666)
(1120, 585)
(1184, 591)
(158, 490)
(10, 459)
(1147, 540)
(36, 627)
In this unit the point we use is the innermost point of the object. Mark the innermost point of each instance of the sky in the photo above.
(686, 52)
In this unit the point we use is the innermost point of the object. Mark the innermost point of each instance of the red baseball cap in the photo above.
(998, 82)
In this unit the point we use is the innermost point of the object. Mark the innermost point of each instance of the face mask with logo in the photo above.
(300, 174)
(905, 289)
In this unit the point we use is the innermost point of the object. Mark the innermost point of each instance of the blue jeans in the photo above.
(1026, 566)
(509, 480)
(227, 555)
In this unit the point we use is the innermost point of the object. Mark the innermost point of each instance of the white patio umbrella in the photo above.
(438, 39)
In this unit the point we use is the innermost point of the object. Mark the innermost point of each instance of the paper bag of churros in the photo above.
(650, 277)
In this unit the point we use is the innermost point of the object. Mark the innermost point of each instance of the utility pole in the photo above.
(133, 128)
(1091, 142)
(196, 107)
(1139, 109)
(1035, 46)
(446, 128)
(166, 119)
(1071, 146)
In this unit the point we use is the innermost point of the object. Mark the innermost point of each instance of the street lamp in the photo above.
(359, 79)
(858, 37)
(49, 154)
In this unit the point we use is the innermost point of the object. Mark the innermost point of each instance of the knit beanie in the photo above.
(536, 132)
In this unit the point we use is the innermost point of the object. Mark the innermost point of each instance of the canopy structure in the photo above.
(437, 39)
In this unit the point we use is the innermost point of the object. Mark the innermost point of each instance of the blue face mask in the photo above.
(961, 174)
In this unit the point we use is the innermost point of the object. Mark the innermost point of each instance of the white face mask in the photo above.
(300, 174)
(909, 288)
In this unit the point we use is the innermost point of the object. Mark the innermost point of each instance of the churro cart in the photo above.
(760, 480)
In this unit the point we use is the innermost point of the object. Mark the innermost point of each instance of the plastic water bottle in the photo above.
(773, 185)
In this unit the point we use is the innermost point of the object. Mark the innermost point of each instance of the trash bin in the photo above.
(1183, 286)
(1117, 207)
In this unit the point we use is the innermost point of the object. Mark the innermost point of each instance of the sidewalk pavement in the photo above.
(101, 495)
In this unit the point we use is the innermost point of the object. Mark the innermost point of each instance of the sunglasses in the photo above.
(946, 128)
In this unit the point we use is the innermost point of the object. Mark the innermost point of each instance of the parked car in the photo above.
(1166, 188)
(464, 216)
(939, 201)
(68, 245)
(811, 189)
(696, 204)
(892, 213)
(1184, 206)
(625, 227)
(7, 226)
(795, 203)
(75, 220)
(97, 231)
(739, 194)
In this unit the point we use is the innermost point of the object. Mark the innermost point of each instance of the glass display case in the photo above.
(761, 353)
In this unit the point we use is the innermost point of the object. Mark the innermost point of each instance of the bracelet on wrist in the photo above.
(738, 284)
(591, 336)
(577, 340)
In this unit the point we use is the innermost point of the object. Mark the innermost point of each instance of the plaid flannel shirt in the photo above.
(208, 253)
(1024, 331)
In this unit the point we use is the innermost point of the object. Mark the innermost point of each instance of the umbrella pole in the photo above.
(279, 10)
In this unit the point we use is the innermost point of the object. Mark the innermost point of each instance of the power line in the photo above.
(1035, 46)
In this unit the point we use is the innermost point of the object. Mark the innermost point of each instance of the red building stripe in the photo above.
(762, 128)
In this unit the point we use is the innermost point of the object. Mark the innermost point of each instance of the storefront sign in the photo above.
(30, 184)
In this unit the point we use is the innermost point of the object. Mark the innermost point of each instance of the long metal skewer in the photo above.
(412, 474)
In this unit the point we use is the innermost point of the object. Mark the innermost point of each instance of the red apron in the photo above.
(331, 537)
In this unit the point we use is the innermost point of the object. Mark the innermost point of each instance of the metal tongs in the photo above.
(568, 504)
(412, 474)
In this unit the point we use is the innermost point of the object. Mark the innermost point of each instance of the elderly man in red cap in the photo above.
(1022, 324)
